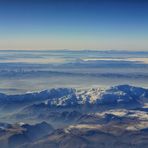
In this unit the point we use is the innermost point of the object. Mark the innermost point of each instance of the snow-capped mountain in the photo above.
(67, 97)
(34, 96)
(16, 101)
(116, 95)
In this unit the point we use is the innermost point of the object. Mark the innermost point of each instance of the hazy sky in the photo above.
(74, 24)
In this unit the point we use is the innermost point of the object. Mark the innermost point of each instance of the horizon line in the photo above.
(130, 50)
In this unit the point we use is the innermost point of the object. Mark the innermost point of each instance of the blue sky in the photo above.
(74, 24)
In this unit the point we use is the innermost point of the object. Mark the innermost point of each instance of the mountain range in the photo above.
(77, 118)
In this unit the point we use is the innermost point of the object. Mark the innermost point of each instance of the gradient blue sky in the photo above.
(74, 24)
